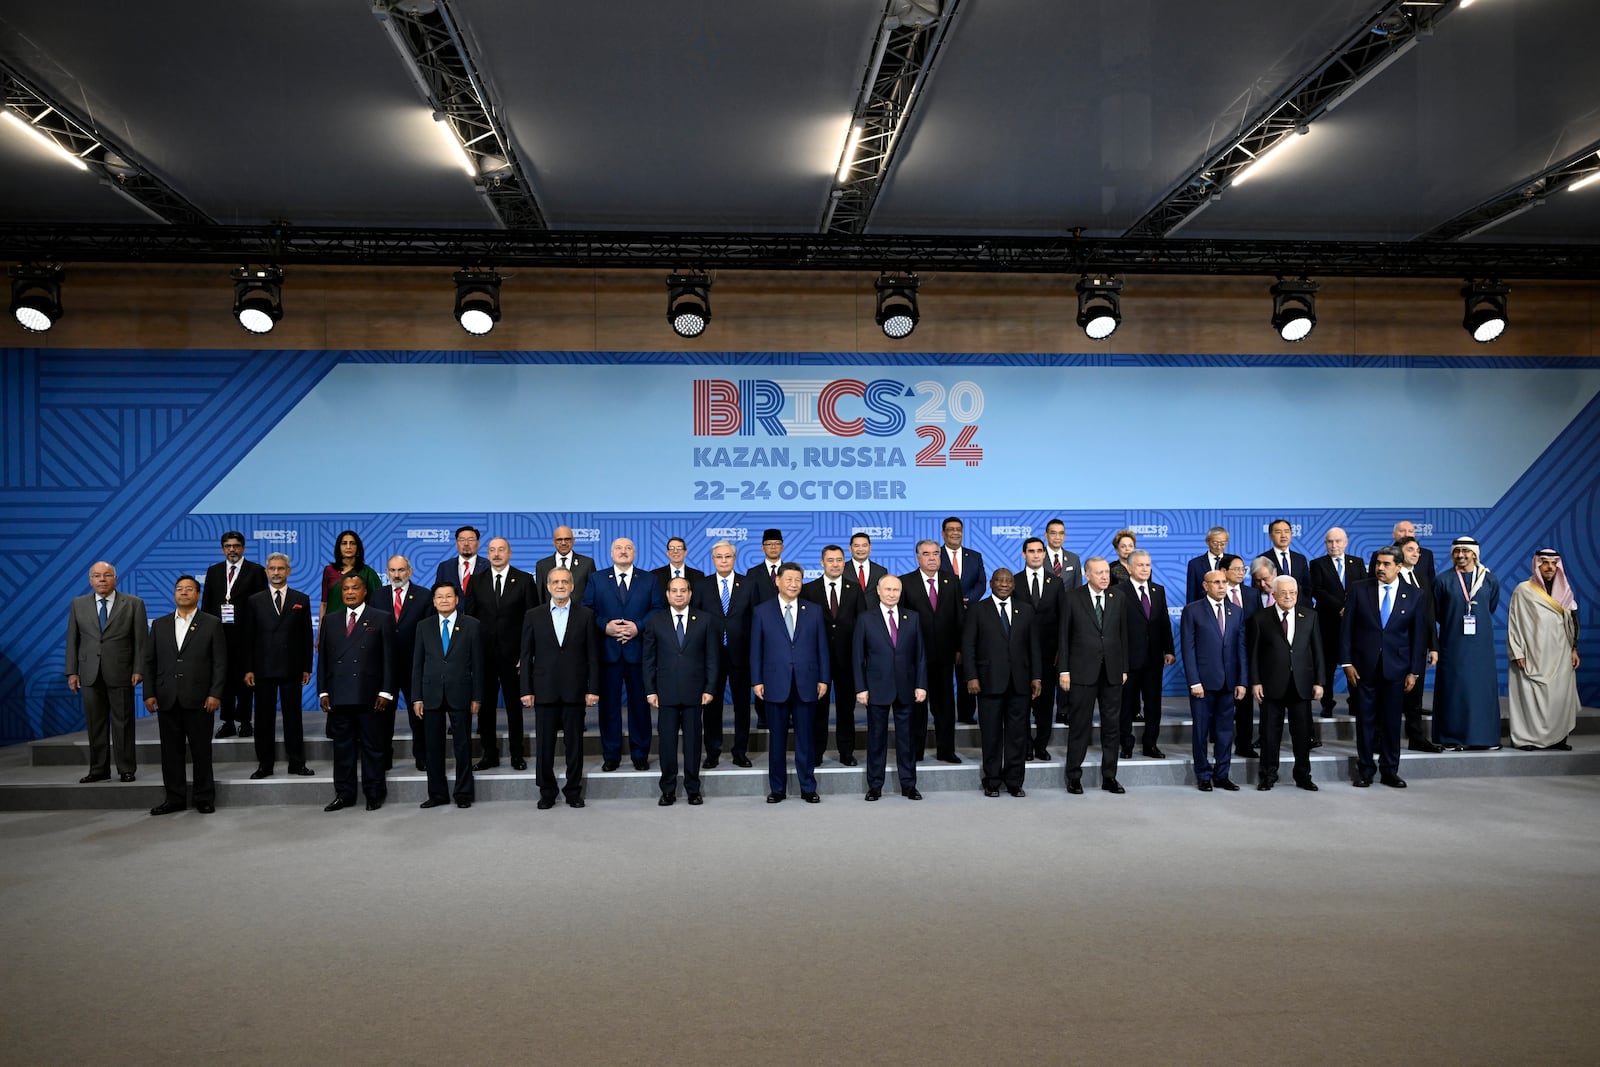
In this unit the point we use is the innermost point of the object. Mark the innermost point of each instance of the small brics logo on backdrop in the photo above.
(844, 408)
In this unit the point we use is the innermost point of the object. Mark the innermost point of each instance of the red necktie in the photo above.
(232, 570)
(1285, 621)
(350, 627)
(933, 596)
(466, 574)
(397, 605)
(894, 631)
(861, 573)
(1234, 596)
(1057, 566)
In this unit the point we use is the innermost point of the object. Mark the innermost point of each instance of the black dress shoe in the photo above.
(227, 730)
(1152, 752)
(709, 762)
(1561, 746)
(1111, 785)
(1018, 792)
(302, 770)
(667, 800)
(910, 792)
(1127, 751)
(433, 802)
(339, 804)
(575, 803)
(952, 758)
(811, 798)
(86, 779)
(1075, 787)
(874, 794)
(1204, 785)
(1308, 785)
(1393, 781)
(641, 765)
(245, 730)
(374, 805)
(546, 803)
(1316, 742)
(1422, 744)
(1247, 752)
(991, 791)
(126, 776)
(1042, 754)
(1225, 783)
(848, 759)
(742, 761)
(1360, 781)
(166, 808)
(486, 763)
(261, 772)
(205, 809)
(774, 798)
(518, 763)
(1264, 785)
(610, 765)
(463, 803)
(696, 799)
(421, 766)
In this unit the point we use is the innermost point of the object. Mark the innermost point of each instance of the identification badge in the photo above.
(227, 612)
(1469, 624)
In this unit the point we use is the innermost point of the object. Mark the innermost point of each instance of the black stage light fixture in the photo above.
(1294, 308)
(1485, 317)
(36, 296)
(477, 300)
(1099, 306)
(258, 297)
(689, 303)
(897, 312)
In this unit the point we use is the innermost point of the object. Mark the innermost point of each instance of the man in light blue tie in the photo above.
(106, 635)
(789, 669)
(1383, 649)
(447, 676)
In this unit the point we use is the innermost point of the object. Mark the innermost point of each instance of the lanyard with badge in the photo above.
(1469, 621)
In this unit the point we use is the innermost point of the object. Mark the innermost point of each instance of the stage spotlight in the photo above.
(36, 296)
(258, 297)
(689, 303)
(897, 310)
(1485, 317)
(477, 300)
(1294, 308)
(1099, 306)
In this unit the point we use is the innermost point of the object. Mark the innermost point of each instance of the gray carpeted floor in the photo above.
(1452, 923)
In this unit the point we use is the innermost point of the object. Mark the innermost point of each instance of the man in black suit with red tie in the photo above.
(409, 603)
(561, 676)
(461, 568)
(1000, 662)
(1093, 662)
(1285, 664)
(499, 598)
(355, 685)
(681, 650)
(445, 683)
(1383, 648)
(842, 602)
(229, 586)
(1150, 652)
(890, 663)
(1331, 576)
(866, 573)
(185, 673)
(676, 567)
(1038, 587)
(726, 598)
(277, 648)
(936, 598)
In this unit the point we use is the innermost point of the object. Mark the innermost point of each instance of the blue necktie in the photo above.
(102, 613)
(1005, 620)
(680, 630)
(1383, 608)
(1338, 565)
(726, 593)
(445, 637)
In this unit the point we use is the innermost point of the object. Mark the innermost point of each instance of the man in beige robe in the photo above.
(1542, 646)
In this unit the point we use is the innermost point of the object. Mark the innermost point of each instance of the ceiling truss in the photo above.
(1525, 195)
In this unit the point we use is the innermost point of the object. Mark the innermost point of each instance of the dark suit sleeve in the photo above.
(1319, 660)
(593, 643)
(824, 657)
(969, 647)
(1344, 630)
(649, 658)
(391, 673)
(922, 653)
(525, 652)
(858, 655)
(713, 657)
(141, 631)
(1035, 663)
(1191, 663)
(1252, 633)
(414, 690)
(1239, 651)
(219, 661)
(1422, 639)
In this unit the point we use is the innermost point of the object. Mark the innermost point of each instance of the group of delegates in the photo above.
(1013, 651)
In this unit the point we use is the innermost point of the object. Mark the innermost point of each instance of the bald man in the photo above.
(1331, 575)
(580, 565)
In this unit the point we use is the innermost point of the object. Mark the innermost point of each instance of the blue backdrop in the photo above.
(145, 458)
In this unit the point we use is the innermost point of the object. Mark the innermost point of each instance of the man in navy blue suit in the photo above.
(966, 566)
(409, 603)
(681, 649)
(1203, 564)
(622, 598)
(461, 568)
(355, 682)
(1286, 560)
(1383, 649)
(789, 670)
(891, 667)
(1211, 633)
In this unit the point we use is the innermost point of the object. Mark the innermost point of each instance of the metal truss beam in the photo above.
(117, 167)
(1392, 31)
(1525, 195)
(285, 245)
(430, 42)
(903, 54)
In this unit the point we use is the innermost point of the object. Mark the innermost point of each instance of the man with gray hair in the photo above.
(1210, 560)
(1284, 653)
(106, 635)
(277, 650)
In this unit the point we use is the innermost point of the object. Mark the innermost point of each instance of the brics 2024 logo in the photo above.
(845, 408)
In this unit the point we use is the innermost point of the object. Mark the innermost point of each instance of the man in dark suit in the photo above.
(1331, 576)
(185, 674)
(580, 566)
(1093, 663)
(936, 599)
(681, 651)
(1383, 649)
(1066, 566)
(1000, 660)
(465, 565)
(1209, 560)
(355, 686)
(890, 664)
(866, 573)
(622, 598)
(1150, 653)
(726, 598)
(1039, 588)
(966, 566)
(1423, 564)
(1416, 577)
(277, 649)
(499, 598)
(842, 603)
(677, 552)
(764, 575)
(1257, 596)
(445, 686)
(1212, 633)
(229, 586)
(789, 669)
(409, 603)
(561, 676)
(1286, 560)
(1285, 659)
(106, 635)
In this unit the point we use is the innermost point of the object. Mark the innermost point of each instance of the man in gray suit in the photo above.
(185, 671)
(446, 678)
(106, 635)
